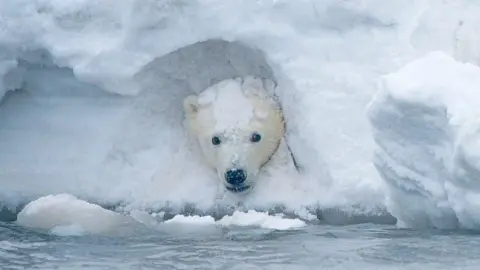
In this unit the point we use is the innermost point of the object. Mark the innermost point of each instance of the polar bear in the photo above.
(239, 129)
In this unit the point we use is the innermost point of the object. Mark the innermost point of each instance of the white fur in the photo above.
(232, 110)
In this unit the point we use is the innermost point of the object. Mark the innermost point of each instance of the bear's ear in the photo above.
(190, 105)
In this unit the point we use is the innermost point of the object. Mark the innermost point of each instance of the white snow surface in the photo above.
(425, 120)
(262, 220)
(96, 87)
(66, 215)
(249, 218)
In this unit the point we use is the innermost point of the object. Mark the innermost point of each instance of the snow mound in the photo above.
(425, 123)
(64, 214)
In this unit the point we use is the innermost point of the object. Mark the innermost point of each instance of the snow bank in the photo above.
(140, 49)
(425, 120)
(97, 112)
(449, 26)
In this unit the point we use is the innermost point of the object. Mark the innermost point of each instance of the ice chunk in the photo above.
(250, 218)
(64, 214)
(191, 220)
(418, 118)
(262, 220)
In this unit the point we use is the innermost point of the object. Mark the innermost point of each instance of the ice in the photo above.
(92, 101)
(437, 80)
(454, 33)
(191, 220)
(64, 214)
(250, 218)
(68, 230)
(425, 124)
(262, 220)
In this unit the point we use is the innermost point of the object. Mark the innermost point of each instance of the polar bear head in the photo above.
(238, 127)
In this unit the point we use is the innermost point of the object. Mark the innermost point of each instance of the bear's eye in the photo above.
(216, 140)
(255, 137)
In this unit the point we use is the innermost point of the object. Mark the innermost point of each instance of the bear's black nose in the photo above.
(235, 176)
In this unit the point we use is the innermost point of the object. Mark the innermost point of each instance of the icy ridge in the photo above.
(425, 122)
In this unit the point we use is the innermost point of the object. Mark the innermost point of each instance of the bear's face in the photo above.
(238, 128)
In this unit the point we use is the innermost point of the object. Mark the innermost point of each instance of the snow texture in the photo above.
(425, 121)
(66, 215)
(92, 95)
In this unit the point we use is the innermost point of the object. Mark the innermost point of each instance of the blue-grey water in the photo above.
(364, 246)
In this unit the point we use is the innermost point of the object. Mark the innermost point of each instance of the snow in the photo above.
(231, 107)
(262, 220)
(64, 214)
(250, 218)
(92, 97)
(438, 80)
(195, 220)
(425, 121)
